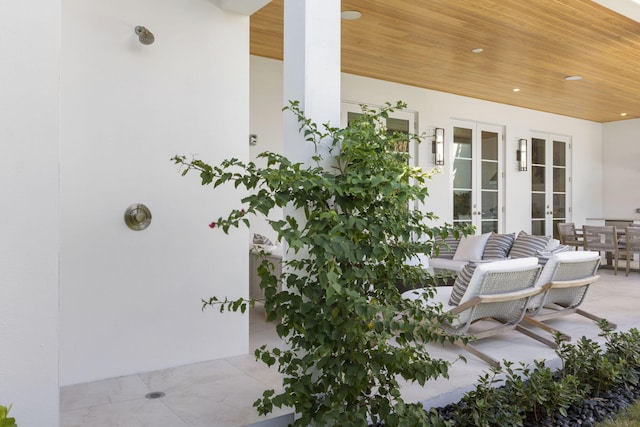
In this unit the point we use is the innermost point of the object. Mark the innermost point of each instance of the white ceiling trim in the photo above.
(243, 7)
(628, 8)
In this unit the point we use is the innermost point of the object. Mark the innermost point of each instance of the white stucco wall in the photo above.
(130, 301)
(266, 121)
(622, 169)
(29, 137)
(438, 109)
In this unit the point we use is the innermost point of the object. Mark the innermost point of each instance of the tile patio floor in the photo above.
(220, 393)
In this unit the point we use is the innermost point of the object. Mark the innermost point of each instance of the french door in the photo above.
(477, 175)
(550, 183)
(399, 121)
(404, 122)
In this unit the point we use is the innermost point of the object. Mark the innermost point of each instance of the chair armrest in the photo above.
(573, 283)
(495, 298)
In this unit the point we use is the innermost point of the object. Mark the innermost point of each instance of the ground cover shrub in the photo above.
(595, 382)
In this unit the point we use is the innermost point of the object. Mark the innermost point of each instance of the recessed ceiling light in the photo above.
(477, 50)
(516, 89)
(350, 15)
(573, 78)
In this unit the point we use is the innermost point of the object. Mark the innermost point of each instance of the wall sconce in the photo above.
(521, 154)
(145, 36)
(438, 146)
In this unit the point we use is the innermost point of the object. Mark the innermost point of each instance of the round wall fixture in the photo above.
(145, 36)
(137, 217)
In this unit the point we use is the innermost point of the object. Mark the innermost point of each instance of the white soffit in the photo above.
(628, 8)
(243, 7)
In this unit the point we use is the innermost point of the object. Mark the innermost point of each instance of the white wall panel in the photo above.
(30, 141)
(621, 159)
(130, 301)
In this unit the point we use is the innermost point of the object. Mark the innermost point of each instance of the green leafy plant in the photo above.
(5, 421)
(514, 396)
(587, 361)
(540, 393)
(349, 335)
(488, 405)
(534, 394)
(623, 348)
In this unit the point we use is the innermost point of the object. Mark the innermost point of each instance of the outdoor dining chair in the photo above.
(603, 238)
(632, 244)
(568, 236)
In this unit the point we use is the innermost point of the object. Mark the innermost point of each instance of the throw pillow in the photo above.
(462, 282)
(259, 239)
(471, 247)
(527, 245)
(498, 246)
(447, 247)
(543, 256)
(553, 244)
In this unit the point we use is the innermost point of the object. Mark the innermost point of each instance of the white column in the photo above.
(29, 226)
(311, 76)
(311, 68)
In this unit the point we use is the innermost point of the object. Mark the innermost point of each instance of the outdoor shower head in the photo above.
(145, 36)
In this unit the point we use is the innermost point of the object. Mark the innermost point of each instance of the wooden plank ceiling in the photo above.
(529, 45)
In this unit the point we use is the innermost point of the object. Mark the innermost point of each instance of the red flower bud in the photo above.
(212, 225)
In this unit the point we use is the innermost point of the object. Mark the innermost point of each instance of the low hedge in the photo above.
(594, 382)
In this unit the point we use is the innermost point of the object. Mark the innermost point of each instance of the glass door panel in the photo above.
(538, 214)
(398, 125)
(463, 169)
(559, 153)
(490, 146)
(538, 187)
(462, 175)
(550, 178)
(538, 150)
(477, 176)
(560, 212)
(462, 207)
(490, 211)
(559, 180)
(489, 175)
(559, 207)
(489, 181)
(398, 122)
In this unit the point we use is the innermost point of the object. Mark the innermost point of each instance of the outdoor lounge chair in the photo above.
(566, 278)
(498, 291)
